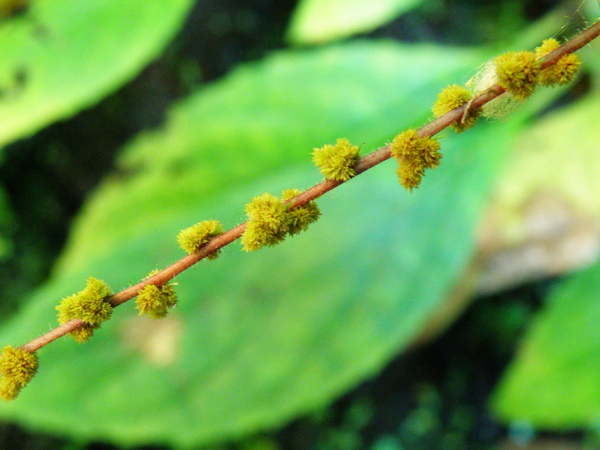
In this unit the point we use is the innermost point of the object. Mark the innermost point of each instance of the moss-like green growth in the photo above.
(300, 218)
(562, 71)
(156, 301)
(89, 305)
(518, 73)
(415, 154)
(193, 238)
(17, 367)
(267, 224)
(452, 97)
(337, 161)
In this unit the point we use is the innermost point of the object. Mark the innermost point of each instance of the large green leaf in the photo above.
(260, 338)
(61, 56)
(317, 21)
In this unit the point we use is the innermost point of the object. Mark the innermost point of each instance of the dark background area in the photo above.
(432, 397)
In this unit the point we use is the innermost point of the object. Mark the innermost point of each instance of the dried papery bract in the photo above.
(485, 79)
(17, 368)
(337, 161)
(89, 305)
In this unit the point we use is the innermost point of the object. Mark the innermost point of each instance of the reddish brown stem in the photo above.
(364, 164)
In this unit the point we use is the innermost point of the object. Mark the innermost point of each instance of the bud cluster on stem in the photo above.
(271, 218)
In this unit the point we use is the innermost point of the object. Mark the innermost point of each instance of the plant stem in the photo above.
(364, 164)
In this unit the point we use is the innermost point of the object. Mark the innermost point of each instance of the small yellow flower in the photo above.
(430, 153)
(405, 144)
(156, 301)
(423, 150)
(18, 364)
(89, 305)
(193, 238)
(410, 174)
(9, 388)
(562, 71)
(17, 367)
(300, 218)
(83, 333)
(415, 154)
(337, 161)
(546, 47)
(267, 224)
(518, 73)
(452, 97)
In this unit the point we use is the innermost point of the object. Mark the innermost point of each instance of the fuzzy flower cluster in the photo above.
(519, 73)
(414, 153)
(89, 305)
(17, 367)
(193, 238)
(270, 219)
(298, 219)
(563, 70)
(452, 97)
(337, 161)
(156, 301)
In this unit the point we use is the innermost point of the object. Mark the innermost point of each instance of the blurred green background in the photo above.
(463, 315)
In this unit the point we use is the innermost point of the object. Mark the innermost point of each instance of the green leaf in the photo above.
(61, 56)
(262, 337)
(554, 383)
(318, 21)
